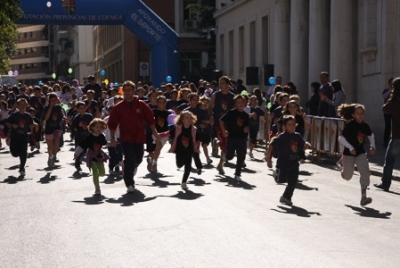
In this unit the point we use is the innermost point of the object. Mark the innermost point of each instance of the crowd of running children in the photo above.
(191, 117)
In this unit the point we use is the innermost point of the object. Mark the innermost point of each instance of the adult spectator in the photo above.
(388, 123)
(325, 92)
(240, 87)
(132, 115)
(391, 107)
(93, 86)
(339, 96)
(312, 103)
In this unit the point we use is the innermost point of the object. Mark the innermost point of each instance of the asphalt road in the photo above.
(51, 219)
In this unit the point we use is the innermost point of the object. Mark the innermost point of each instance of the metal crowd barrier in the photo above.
(323, 135)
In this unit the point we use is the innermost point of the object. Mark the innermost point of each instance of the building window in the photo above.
(221, 52)
(252, 44)
(241, 48)
(264, 41)
(230, 51)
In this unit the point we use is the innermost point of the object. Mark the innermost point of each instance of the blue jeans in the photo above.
(392, 151)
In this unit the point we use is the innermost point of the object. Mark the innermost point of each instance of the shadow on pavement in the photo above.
(298, 211)
(233, 183)
(129, 199)
(13, 180)
(304, 187)
(79, 175)
(92, 200)
(185, 195)
(13, 167)
(111, 178)
(370, 212)
(197, 182)
(233, 166)
(47, 179)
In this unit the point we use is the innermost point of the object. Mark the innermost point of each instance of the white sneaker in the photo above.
(22, 172)
(251, 155)
(149, 164)
(130, 189)
(97, 192)
(184, 186)
(154, 167)
(238, 178)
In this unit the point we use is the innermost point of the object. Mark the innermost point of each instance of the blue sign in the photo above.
(134, 14)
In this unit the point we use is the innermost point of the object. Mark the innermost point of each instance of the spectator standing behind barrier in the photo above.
(325, 91)
(388, 118)
(391, 107)
(339, 97)
(312, 103)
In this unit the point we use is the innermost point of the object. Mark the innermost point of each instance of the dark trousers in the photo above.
(78, 139)
(133, 153)
(388, 129)
(185, 160)
(290, 174)
(253, 131)
(115, 154)
(238, 145)
(19, 148)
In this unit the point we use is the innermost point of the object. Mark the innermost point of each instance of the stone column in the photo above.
(282, 39)
(342, 60)
(318, 39)
(299, 46)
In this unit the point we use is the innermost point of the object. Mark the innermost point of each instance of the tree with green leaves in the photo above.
(9, 13)
(204, 10)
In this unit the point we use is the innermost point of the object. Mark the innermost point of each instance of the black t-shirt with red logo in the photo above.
(161, 120)
(288, 146)
(235, 122)
(55, 120)
(355, 134)
(23, 120)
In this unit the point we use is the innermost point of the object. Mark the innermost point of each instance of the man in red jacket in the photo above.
(131, 115)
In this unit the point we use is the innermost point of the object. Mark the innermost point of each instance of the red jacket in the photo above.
(131, 120)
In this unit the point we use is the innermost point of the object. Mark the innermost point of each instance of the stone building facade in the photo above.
(357, 42)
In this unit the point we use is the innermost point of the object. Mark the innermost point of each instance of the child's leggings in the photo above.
(361, 161)
(97, 171)
(186, 160)
(19, 148)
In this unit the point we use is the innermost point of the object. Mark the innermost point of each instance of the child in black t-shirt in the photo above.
(235, 127)
(161, 116)
(288, 144)
(95, 156)
(79, 129)
(352, 138)
(255, 112)
(185, 144)
(21, 124)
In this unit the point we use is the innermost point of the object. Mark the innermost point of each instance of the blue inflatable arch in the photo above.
(134, 14)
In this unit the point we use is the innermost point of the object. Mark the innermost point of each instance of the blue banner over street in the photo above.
(134, 14)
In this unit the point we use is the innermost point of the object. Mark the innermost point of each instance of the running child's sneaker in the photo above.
(285, 201)
(130, 189)
(149, 163)
(238, 178)
(97, 192)
(199, 171)
(22, 172)
(184, 186)
(251, 155)
(209, 161)
(220, 170)
(365, 201)
(154, 168)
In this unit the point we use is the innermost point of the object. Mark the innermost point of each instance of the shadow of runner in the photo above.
(13, 180)
(47, 179)
(92, 200)
(186, 195)
(304, 187)
(129, 199)
(233, 183)
(298, 211)
(197, 182)
(370, 212)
